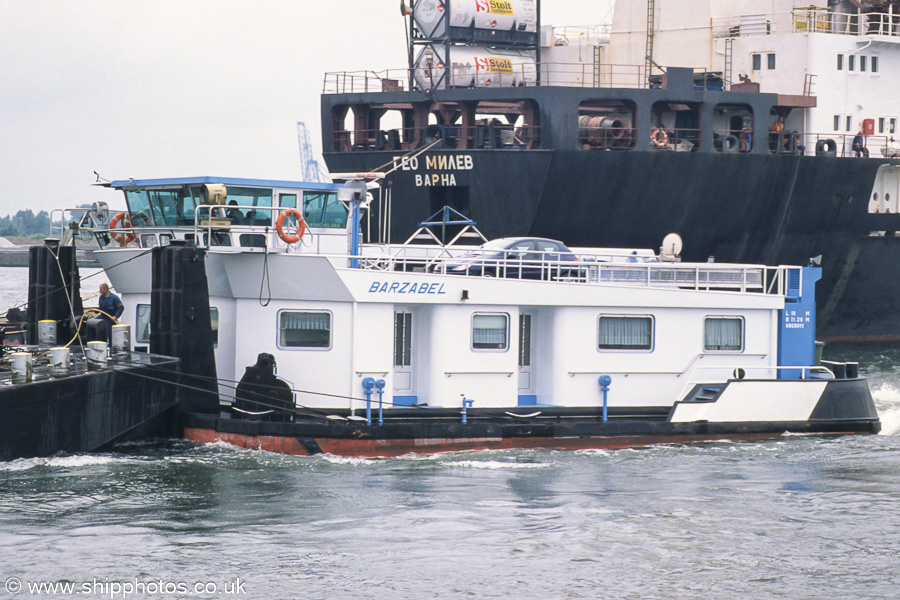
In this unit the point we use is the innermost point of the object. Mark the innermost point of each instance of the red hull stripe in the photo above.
(399, 447)
(285, 445)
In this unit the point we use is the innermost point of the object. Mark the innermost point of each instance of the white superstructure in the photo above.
(846, 53)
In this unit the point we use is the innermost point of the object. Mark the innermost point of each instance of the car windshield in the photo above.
(500, 244)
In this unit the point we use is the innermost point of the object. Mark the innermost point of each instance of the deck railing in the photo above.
(463, 76)
(810, 20)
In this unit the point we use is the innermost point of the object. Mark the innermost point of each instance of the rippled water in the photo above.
(798, 517)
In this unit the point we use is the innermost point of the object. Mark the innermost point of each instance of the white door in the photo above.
(404, 372)
(527, 396)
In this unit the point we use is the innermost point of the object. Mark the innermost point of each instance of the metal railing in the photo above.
(462, 76)
(809, 20)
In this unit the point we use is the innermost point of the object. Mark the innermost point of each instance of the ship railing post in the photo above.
(368, 383)
(605, 380)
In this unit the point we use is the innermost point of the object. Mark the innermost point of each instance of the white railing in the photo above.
(809, 20)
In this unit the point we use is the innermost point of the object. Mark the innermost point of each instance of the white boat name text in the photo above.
(405, 287)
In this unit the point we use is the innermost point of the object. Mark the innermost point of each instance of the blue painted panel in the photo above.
(797, 325)
(528, 400)
(406, 400)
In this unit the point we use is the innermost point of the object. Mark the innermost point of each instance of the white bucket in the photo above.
(47, 333)
(95, 353)
(121, 338)
(59, 362)
(23, 367)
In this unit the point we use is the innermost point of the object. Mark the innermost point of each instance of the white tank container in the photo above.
(121, 338)
(473, 66)
(47, 333)
(433, 17)
(95, 353)
(59, 362)
(22, 367)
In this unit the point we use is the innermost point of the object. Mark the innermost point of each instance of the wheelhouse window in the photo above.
(862, 63)
(851, 62)
(723, 334)
(305, 329)
(249, 199)
(490, 331)
(323, 209)
(874, 68)
(625, 333)
(840, 62)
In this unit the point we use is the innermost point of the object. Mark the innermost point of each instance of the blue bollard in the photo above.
(368, 383)
(466, 405)
(379, 385)
(605, 380)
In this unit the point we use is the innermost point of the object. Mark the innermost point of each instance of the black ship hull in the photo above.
(753, 208)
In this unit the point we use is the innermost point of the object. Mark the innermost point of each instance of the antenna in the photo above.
(310, 168)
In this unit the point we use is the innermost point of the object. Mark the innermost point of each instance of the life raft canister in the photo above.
(301, 225)
(659, 137)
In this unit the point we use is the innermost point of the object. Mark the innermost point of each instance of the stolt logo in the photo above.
(494, 65)
(497, 7)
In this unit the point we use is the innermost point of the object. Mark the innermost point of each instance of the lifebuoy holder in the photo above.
(659, 137)
(301, 225)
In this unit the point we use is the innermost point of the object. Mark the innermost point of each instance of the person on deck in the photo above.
(859, 145)
(112, 308)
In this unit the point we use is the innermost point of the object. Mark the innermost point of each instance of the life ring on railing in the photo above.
(127, 236)
(659, 137)
(301, 225)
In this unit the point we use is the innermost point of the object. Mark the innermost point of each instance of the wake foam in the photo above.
(887, 403)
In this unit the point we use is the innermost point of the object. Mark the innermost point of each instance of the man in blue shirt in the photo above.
(112, 306)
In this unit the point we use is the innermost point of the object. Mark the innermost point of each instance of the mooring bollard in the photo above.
(368, 384)
(95, 353)
(121, 338)
(605, 380)
(23, 367)
(466, 405)
(59, 362)
(47, 332)
(379, 385)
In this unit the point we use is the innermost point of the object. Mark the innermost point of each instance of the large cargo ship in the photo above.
(760, 133)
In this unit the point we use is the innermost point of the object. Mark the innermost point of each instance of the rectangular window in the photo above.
(862, 63)
(402, 339)
(524, 340)
(874, 64)
(142, 324)
(250, 198)
(837, 122)
(849, 122)
(323, 209)
(851, 63)
(757, 61)
(305, 329)
(892, 126)
(723, 333)
(840, 62)
(881, 124)
(489, 332)
(625, 333)
(771, 58)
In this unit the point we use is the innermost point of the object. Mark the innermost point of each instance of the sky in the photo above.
(169, 88)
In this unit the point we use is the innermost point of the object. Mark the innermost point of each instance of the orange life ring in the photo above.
(301, 225)
(659, 137)
(127, 235)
